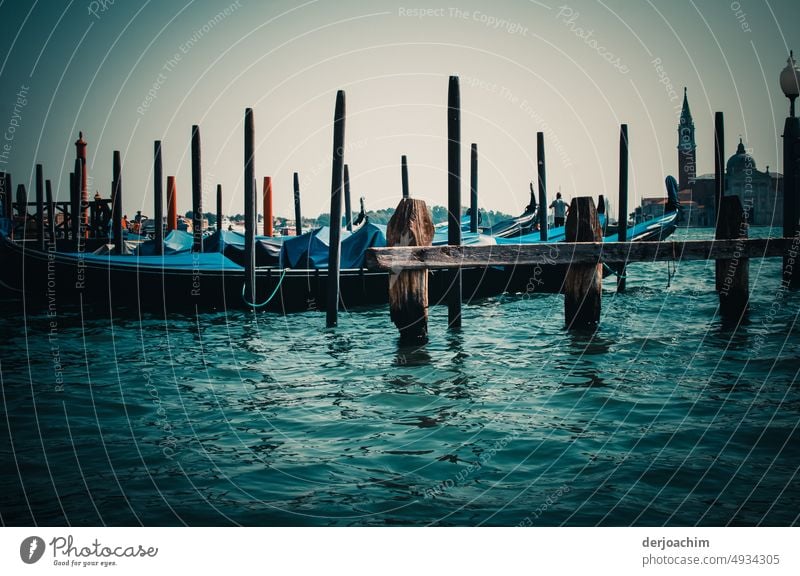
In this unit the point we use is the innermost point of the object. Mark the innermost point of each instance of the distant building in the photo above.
(761, 193)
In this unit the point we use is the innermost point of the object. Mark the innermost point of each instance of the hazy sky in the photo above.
(574, 71)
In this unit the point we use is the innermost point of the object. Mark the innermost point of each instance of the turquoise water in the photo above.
(665, 416)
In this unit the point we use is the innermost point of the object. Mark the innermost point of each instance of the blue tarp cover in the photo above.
(310, 250)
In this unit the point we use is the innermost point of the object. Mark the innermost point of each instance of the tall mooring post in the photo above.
(158, 199)
(219, 212)
(454, 197)
(791, 195)
(197, 192)
(83, 186)
(473, 189)
(40, 207)
(249, 208)
(719, 188)
(410, 225)
(51, 212)
(404, 175)
(622, 200)
(719, 163)
(542, 176)
(348, 209)
(583, 282)
(298, 215)
(268, 206)
(172, 204)
(116, 205)
(78, 224)
(334, 245)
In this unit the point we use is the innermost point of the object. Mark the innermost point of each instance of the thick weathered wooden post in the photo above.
(172, 204)
(583, 282)
(334, 245)
(622, 200)
(733, 280)
(267, 205)
(197, 192)
(542, 174)
(249, 208)
(404, 174)
(473, 189)
(348, 209)
(83, 187)
(454, 197)
(116, 204)
(410, 225)
(298, 216)
(219, 211)
(40, 206)
(51, 212)
(158, 199)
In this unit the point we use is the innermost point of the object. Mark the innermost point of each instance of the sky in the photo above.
(128, 73)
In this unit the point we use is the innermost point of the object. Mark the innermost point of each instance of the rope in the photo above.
(609, 269)
(271, 296)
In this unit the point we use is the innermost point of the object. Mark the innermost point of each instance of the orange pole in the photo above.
(267, 206)
(172, 205)
(80, 146)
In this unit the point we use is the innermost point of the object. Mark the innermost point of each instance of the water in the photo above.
(665, 416)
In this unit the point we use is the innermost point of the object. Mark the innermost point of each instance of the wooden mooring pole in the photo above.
(83, 187)
(542, 176)
(158, 199)
(268, 206)
(719, 163)
(197, 192)
(410, 225)
(77, 222)
(583, 282)
(334, 245)
(454, 197)
(249, 208)
(22, 207)
(172, 204)
(473, 189)
(791, 194)
(622, 200)
(219, 211)
(719, 188)
(404, 174)
(298, 216)
(348, 209)
(116, 204)
(51, 212)
(732, 278)
(40, 207)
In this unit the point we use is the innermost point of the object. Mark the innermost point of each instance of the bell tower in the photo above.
(687, 158)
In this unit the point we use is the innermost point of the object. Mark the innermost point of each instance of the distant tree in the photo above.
(438, 214)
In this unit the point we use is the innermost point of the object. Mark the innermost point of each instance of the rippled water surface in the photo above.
(664, 416)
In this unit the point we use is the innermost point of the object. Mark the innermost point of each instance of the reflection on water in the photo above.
(664, 415)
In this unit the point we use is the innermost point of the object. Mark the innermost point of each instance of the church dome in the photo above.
(740, 161)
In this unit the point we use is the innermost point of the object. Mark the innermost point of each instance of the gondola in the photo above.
(291, 274)
(550, 278)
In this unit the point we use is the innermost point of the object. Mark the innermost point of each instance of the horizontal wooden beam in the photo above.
(437, 257)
